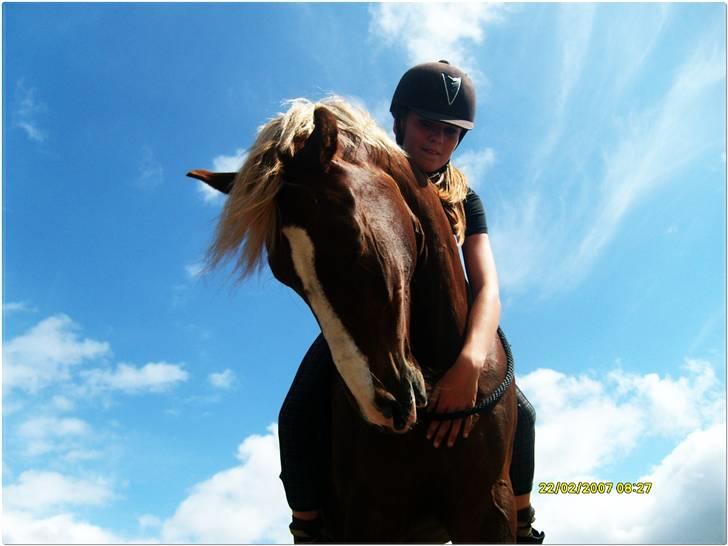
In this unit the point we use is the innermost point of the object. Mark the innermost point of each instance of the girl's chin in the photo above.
(429, 164)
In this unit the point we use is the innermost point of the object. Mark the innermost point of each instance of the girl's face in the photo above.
(429, 143)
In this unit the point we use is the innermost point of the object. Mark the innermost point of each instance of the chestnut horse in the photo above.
(360, 234)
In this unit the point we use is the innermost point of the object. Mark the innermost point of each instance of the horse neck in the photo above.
(438, 294)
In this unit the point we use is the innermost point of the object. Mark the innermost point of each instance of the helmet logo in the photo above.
(452, 87)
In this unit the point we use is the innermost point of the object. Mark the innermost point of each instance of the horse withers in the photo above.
(361, 236)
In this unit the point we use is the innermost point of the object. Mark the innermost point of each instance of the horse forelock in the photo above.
(249, 221)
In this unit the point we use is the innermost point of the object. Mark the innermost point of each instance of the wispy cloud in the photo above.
(41, 435)
(63, 403)
(244, 504)
(147, 521)
(17, 307)
(193, 270)
(27, 109)
(575, 30)
(475, 164)
(45, 354)
(650, 147)
(152, 377)
(222, 380)
(655, 146)
(432, 31)
(150, 171)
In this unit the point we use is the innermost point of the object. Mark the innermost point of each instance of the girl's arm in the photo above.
(458, 388)
(484, 315)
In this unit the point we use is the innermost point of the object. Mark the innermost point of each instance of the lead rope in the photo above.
(492, 399)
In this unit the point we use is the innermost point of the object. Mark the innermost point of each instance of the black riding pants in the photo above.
(304, 428)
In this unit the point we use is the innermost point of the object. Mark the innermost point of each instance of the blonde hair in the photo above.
(249, 221)
(452, 187)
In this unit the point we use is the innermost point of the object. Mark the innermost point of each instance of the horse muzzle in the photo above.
(401, 410)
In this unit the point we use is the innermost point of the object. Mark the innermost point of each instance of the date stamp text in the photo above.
(594, 488)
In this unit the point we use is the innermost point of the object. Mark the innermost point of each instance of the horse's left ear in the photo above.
(320, 146)
(222, 182)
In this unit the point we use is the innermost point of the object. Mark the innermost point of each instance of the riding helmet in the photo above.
(437, 91)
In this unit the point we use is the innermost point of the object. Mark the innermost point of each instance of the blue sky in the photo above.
(140, 399)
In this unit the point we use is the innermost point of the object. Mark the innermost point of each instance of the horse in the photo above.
(359, 233)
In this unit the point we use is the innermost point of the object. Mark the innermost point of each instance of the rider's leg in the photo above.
(303, 431)
(522, 466)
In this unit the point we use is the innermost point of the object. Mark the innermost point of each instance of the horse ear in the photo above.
(222, 182)
(320, 146)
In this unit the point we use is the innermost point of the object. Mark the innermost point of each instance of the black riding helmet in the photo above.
(437, 91)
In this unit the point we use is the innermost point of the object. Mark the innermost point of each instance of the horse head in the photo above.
(346, 241)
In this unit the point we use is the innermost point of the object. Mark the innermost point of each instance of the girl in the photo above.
(433, 107)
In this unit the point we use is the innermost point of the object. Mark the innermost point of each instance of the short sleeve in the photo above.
(474, 214)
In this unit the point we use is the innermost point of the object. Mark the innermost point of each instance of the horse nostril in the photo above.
(392, 408)
(400, 414)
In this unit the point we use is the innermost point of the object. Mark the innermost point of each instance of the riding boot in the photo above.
(306, 531)
(526, 534)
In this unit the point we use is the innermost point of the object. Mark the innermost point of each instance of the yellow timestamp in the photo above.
(594, 488)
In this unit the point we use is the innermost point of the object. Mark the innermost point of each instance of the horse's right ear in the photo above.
(320, 146)
(222, 182)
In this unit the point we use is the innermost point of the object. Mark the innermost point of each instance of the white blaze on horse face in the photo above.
(349, 360)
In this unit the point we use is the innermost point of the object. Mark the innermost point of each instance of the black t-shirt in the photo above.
(474, 214)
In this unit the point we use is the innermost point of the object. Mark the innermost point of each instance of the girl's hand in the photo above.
(457, 390)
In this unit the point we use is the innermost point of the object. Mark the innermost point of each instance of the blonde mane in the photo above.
(249, 221)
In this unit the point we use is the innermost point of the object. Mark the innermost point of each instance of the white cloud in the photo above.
(194, 270)
(38, 491)
(150, 171)
(580, 412)
(23, 528)
(79, 455)
(46, 434)
(686, 504)
(244, 504)
(45, 353)
(14, 307)
(26, 111)
(62, 403)
(222, 380)
(586, 426)
(209, 195)
(152, 377)
(475, 164)
(221, 163)
(229, 163)
(33, 132)
(433, 31)
(148, 520)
